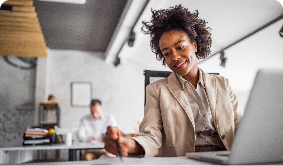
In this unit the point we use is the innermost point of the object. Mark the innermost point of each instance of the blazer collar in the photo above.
(177, 91)
(183, 81)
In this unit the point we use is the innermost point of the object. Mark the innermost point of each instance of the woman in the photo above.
(190, 110)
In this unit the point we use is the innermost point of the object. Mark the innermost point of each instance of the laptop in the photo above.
(259, 138)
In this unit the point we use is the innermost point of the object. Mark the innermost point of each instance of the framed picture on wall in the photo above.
(80, 94)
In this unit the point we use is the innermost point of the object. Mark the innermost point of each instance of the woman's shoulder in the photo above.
(221, 80)
(214, 75)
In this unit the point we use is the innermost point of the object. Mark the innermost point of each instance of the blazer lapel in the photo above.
(176, 90)
(210, 88)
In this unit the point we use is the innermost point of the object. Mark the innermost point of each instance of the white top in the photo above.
(204, 126)
(95, 127)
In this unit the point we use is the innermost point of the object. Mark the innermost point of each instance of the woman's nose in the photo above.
(175, 56)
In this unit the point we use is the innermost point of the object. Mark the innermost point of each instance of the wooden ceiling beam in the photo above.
(23, 8)
(19, 24)
(20, 31)
(11, 18)
(28, 44)
(18, 2)
(19, 14)
(5, 29)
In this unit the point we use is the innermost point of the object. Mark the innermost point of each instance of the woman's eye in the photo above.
(166, 54)
(179, 48)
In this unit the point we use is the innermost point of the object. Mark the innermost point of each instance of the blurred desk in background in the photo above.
(21, 154)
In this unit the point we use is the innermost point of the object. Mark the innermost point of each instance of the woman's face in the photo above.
(179, 52)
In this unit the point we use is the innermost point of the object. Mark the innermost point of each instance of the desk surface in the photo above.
(106, 160)
(55, 146)
(127, 161)
(148, 161)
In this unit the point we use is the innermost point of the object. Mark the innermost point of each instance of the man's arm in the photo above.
(82, 132)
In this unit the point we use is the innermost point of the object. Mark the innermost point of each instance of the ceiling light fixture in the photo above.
(281, 31)
(223, 59)
(117, 61)
(67, 1)
(132, 39)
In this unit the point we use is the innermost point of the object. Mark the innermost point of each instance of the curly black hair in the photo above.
(178, 18)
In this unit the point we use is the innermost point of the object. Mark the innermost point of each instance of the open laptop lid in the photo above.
(259, 138)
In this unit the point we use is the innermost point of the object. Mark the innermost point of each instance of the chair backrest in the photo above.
(152, 75)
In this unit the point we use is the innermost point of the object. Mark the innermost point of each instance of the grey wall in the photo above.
(16, 102)
(120, 88)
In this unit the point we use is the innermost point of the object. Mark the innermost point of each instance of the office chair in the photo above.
(151, 76)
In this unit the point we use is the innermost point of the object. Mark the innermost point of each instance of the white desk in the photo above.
(127, 161)
(72, 149)
(148, 161)
(106, 160)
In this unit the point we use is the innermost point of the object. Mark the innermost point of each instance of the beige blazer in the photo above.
(168, 125)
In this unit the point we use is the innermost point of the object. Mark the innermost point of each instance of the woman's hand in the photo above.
(127, 144)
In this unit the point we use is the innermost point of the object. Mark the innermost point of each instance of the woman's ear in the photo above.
(195, 45)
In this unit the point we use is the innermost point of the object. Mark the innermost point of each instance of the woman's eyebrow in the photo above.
(179, 42)
(166, 48)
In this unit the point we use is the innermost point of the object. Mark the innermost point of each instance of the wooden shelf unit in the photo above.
(44, 109)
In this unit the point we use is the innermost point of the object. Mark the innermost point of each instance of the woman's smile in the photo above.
(180, 65)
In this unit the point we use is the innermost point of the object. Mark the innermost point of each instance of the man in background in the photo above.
(92, 128)
(94, 125)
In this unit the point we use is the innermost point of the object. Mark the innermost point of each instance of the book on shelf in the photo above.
(36, 132)
(36, 141)
(34, 136)
(37, 129)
